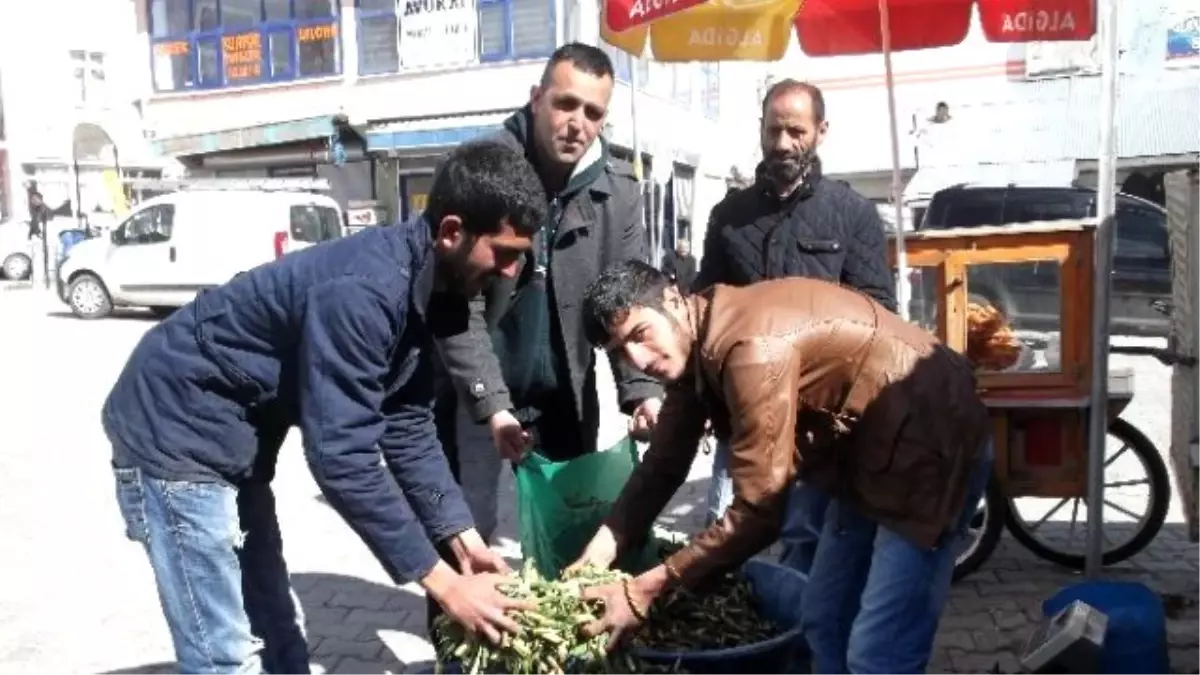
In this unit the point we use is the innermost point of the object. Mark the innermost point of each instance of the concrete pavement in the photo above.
(75, 596)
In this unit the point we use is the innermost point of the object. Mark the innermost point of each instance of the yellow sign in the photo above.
(728, 30)
(417, 201)
(719, 30)
(116, 192)
(243, 56)
(322, 33)
(632, 41)
(172, 48)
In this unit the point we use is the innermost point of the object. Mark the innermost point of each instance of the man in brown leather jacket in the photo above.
(812, 381)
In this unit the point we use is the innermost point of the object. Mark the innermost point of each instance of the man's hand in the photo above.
(474, 601)
(510, 439)
(626, 605)
(600, 552)
(474, 556)
(645, 416)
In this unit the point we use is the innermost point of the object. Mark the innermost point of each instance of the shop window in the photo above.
(88, 71)
(414, 194)
(711, 90)
(505, 30)
(5, 199)
(1, 108)
(623, 64)
(207, 44)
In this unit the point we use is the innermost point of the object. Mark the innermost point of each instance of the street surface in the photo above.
(77, 597)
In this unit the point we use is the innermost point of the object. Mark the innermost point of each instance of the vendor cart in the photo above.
(1018, 301)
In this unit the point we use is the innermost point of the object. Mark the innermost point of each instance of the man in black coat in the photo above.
(522, 371)
(680, 265)
(337, 340)
(793, 222)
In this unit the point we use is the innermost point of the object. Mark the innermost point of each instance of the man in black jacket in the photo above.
(680, 265)
(522, 371)
(337, 340)
(792, 222)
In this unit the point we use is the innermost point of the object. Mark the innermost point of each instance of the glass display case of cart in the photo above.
(1017, 300)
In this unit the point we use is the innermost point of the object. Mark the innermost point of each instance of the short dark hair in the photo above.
(619, 289)
(790, 86)
(486, 183)
(587, 58)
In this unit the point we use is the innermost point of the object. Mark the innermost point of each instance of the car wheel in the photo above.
(18, 267)
(88, 297)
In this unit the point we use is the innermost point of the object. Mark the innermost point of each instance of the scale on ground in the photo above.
(1068, 642)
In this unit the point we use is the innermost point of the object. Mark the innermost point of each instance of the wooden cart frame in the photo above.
(1039, 416)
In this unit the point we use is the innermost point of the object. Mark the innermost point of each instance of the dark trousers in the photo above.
(444, 411)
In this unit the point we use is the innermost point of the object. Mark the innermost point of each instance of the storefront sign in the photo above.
(243, 56)
(322, 33)
(622, 15)
(173, 48)
(438, 32)
(726, 30)
(1183, 40)
(1037, 20)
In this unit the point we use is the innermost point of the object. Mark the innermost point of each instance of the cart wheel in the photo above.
(983, 533)
(1129, 535)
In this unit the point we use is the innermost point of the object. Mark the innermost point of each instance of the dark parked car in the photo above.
(1028, 294)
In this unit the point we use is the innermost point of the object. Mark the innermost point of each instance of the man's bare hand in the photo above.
(510, 439)
(644, 417)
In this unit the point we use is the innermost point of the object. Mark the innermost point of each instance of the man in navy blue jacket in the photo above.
(336, 340)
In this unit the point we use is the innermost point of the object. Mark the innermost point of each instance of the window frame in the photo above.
(361, 15)
(1127, 217)
(193, 38)
(120, 234)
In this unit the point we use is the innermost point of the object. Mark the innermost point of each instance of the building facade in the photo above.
(1016, 113)
(70, 120)
(369, 93)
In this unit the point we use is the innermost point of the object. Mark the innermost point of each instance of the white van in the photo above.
(173, 246)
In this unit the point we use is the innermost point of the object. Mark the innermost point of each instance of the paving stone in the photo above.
(954, 639)
(351, 664)
(332, 646)
(354, 600)
(1183, 660)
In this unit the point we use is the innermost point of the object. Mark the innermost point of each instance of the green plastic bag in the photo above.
(561, 505)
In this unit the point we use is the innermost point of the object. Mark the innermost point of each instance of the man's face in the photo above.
(683, 249)
(655, 341)
(568, 113)
(466, 262)
(790, 137)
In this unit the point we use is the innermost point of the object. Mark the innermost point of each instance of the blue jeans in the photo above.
(801, 525)
(874, 598)
(217, 558)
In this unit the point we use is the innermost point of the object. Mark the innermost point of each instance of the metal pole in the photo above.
(885, 32)
(1105, 213)
(638, 170)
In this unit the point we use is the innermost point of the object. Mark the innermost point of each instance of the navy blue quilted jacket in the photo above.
(333, 339)
(823, 230)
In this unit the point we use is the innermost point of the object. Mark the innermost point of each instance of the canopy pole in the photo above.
(1106, 188)
(902, 282)
(638, 169)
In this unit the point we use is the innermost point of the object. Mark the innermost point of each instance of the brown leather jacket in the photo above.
(816, 380)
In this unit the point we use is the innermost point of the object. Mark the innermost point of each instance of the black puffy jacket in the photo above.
(823, 230)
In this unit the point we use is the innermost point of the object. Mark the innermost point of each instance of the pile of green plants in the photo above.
(719, 615)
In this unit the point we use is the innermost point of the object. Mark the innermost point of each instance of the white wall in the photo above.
(985, 85)
(40, 93)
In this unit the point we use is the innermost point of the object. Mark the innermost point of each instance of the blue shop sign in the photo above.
(1183, 39)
